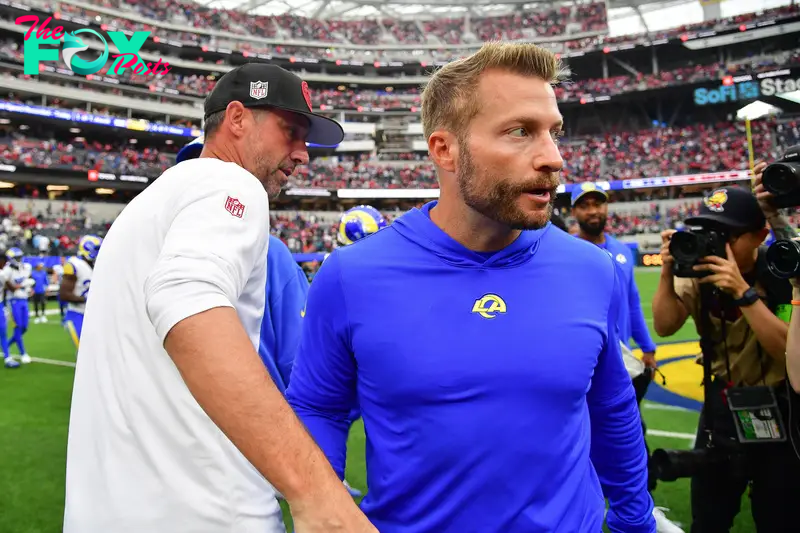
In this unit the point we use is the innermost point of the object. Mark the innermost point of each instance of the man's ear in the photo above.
(443, 148)
(235, 116)
(762, 234)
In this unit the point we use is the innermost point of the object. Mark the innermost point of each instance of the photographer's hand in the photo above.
(725, 273)
(666, 257)
(669, 312)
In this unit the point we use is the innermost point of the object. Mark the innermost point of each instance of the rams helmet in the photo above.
(88, 247)
(191, 150)
(14, 256)
(358, 222)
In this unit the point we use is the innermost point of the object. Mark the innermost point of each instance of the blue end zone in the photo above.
(657, 393)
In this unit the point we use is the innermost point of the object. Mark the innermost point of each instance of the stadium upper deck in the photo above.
(380, 42)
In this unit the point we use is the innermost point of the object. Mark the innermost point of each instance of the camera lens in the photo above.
(781, 178)
(685, 247)
(783, 259)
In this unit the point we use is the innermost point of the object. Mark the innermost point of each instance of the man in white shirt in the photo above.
(175, 421)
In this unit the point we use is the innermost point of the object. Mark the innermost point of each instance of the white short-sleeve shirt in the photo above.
(142, 454)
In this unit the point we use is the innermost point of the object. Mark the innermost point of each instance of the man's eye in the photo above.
(518, 132)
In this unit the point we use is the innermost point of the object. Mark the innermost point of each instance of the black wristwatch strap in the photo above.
(749, 297)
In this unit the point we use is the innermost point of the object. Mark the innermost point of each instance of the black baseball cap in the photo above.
(265, 85)
(733, 208)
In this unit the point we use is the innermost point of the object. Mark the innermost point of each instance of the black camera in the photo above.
(782, 179)
(689, 246)
(783, 259)
(671, 465)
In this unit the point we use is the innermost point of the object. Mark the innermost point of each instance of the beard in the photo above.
(268, 173)
(492, 196)
(593, 228)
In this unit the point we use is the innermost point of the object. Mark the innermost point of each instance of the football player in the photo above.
(75, 284)
(58, 275)
(18, 280)
(8, 361)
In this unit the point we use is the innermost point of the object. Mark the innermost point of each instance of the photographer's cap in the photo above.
(588, 188)
(730, 207)
(270, 86)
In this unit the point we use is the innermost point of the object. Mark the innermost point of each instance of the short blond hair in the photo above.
(449, 100)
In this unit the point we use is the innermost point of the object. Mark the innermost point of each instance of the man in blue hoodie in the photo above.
(479, 341)
(590, 209)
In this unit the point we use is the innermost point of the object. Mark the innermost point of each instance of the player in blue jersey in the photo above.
(76, 282)
(590, 209)
(287, 288)
(18, 280)
(479, 341)
(8, 360)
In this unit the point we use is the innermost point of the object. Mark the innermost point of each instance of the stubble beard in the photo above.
(498, 201)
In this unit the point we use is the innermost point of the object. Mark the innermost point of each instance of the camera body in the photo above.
(689, 246)
(782, 179)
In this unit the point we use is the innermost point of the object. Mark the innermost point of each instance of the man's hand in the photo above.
(725, 273)
(764, 198)
(649, 360)
(666, 257)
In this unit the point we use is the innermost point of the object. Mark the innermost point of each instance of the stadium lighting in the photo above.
(6, 185)
(104, 191)
(58, 187)
(748, 113)
(757, 110)
(793, 96)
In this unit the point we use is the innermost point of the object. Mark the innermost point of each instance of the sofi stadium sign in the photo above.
(748, 87)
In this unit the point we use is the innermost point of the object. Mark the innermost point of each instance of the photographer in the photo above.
(782, 229)
(745, 340)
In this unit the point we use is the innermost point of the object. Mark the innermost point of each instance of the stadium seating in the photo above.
(536, 22)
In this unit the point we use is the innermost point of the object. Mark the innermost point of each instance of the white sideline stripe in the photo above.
(53, 362)
(670, 434)
(664, 407)
(46, 312)
(32, 314)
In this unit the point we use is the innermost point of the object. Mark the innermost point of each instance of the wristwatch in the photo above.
(749, 297)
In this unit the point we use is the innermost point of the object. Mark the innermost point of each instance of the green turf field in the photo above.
(35, 410)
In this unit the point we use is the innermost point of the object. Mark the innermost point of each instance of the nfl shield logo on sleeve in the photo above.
(234, 207)
(258, 89)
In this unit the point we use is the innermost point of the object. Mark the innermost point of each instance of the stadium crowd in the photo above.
(55, 230)
(653, 152)
(587, 17)
(591, 17)
(407, 98)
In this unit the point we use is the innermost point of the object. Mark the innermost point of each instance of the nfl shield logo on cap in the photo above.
(258, 89)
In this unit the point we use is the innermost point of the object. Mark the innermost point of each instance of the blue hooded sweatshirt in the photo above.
(287, 288)
(491, 385)
(631, 320)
